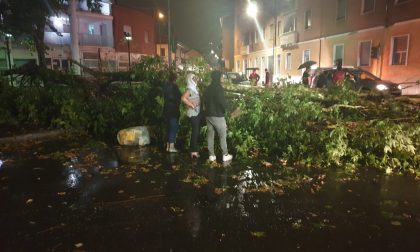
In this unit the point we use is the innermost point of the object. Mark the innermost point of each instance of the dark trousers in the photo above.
(195, 133)
(172, 127)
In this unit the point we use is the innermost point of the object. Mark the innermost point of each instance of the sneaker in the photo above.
(212, 158)
(227, 157)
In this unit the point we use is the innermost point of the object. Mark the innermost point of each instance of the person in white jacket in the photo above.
(191, 98)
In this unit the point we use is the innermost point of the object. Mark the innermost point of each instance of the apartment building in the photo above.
(140, 25)
(93, 36)
(379, 36)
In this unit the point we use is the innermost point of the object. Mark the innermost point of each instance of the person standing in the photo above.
(172, 100)
(215, 107)
(254, 77)
(191, 98)
(339, 75)
(267, 78)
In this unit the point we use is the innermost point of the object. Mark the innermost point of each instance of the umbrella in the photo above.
(307, 64)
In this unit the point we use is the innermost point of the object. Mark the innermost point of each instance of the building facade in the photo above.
(379, 36)
(92, 36)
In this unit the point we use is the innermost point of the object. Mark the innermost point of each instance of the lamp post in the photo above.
(128, 38)
(8, 36)
(169, 34)
(161, 16)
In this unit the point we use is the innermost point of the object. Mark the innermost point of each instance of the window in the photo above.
(290, 24)
(146, 37)
(256, 36)
(162, 52)
(262, 63)
(278, 28)
(401, 1)
(306, 55)
(127, 29)
(272, 31)
(91, 29)
(364, 53)
(400, 50)
(308, 19)
(278, 63)
(341, 10)
(288, 65)
(338, 52)
(238, 66)
(245, 38)
(368, 6)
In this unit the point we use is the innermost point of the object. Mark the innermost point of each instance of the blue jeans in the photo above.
(172, 128)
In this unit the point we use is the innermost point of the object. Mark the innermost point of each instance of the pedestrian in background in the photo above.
(339, 75)
(172, 100)
(191, 98)
(215, 107)
(254, 77)
(267, 78)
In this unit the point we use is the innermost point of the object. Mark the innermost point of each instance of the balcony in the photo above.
(104, 8)
(96, 40)
(244, 50)
(54, 39)
(289, 39)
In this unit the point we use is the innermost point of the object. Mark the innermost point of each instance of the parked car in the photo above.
(236, 78)
(360, 79)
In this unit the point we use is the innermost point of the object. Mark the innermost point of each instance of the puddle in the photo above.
(66, 196)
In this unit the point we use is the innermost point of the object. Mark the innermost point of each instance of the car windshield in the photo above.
(233, 76)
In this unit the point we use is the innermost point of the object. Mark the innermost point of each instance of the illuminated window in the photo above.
(146, 37)
(306, 55)
(400, 50)
(288, 65)
(290, 24)
(308, 19)
(364, 53)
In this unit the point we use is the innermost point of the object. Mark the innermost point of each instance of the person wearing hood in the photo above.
(172, 100)
(191, 98)
(215, 106)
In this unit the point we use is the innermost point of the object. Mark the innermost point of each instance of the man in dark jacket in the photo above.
(215, 107)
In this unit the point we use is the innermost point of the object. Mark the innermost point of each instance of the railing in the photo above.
(289, 39)
(96, 40)
(244, 50)
(53, 38)
(105, 8)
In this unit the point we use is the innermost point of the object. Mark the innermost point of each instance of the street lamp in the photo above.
(128, 38)
(161, 15)
(8, 36)
(252, 9)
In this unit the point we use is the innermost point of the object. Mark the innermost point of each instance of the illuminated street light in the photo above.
(252, 9)
(212, 52)
(161, 15)
(128, 38)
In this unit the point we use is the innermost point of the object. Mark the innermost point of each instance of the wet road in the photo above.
(66, 196)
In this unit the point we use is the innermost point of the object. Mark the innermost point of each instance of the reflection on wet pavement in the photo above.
(68, 196)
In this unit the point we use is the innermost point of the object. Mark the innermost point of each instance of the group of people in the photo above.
(254, 78)
(211, 104)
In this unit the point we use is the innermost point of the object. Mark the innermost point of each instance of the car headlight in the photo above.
(399, 87)
(381, 87)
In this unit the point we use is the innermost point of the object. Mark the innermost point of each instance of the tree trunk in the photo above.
(40, 46)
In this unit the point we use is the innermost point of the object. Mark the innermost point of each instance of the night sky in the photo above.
(195, 22)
